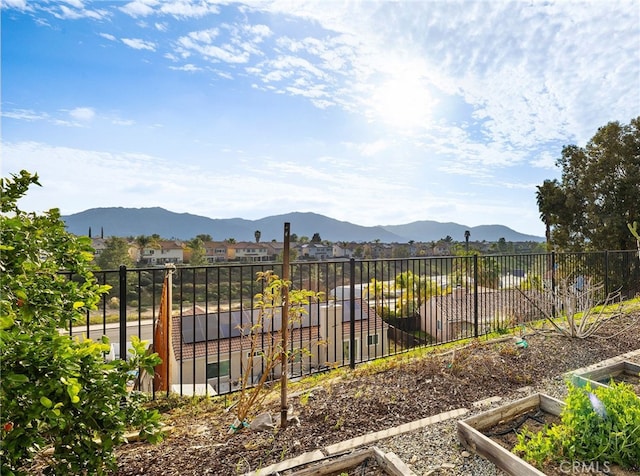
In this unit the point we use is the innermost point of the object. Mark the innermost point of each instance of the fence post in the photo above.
(475, 295)
(352, 311)
(606, 273)
(553, 283)
(123, 312)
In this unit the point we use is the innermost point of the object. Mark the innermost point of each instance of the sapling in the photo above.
(265, 340)
(584, 313)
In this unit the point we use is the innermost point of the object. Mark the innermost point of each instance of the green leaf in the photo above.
(16, 378)
(46, 402)
(6, 322)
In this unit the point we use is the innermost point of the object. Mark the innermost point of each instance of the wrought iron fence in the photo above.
(371, 308)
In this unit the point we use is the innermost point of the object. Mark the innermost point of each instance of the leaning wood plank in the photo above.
(487, 448)
(328, 467)
(392, 465)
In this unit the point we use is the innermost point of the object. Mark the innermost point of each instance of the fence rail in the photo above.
(372, 308)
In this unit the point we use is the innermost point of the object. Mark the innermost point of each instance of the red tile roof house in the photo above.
(211, 349)
(452, 316)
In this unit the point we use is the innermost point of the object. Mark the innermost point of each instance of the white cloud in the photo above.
(139, 8)
(78, 11)
(107, 36)
(19, 4)
(25, 115)
(138, 44)
(75, 3)
(545, 160)
(188, 9)
(83, 114)
(187, 67)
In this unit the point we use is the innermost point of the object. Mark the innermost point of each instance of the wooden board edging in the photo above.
(471, 436)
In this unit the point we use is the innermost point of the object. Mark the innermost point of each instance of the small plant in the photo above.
(584, 312)
(270, 303)
(601, 425)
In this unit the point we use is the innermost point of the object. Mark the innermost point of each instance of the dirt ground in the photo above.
(371, 398)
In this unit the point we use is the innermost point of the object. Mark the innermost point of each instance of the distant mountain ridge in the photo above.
(124, 222)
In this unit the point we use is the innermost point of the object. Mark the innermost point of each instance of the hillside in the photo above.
(118, 221)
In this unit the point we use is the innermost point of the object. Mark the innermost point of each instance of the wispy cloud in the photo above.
(108, 36)
(25, 115)
(83, 114)
(138, 44)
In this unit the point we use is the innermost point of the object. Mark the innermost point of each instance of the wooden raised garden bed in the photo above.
(483, 433)
(623, 371)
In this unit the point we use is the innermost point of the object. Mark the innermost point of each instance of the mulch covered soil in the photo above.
(366, 400)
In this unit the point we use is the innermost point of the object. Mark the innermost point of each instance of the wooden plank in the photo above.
(391, 464)
(475, 441)
(345, 462)
(506, 412)
(608, 372)
(551, 405)
(471, 436)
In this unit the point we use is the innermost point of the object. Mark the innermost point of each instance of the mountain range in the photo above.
(125, 222)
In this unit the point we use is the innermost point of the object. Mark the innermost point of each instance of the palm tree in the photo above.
(549, 198)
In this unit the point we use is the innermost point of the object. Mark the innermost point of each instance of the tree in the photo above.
(257, 235)
(316, 238)
(198, 255)
(144, 241)
(204, 237)
(551, 200)
(599, 189)
(57, 390)
(116, 253)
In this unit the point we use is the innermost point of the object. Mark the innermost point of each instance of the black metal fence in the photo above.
(370, 309)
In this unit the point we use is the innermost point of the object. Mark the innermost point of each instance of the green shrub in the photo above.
(57, 391)
(602, 425)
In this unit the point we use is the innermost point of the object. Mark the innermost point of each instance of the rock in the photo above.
(262, 422)
(413, 459)
(465, 454)
(447, 465)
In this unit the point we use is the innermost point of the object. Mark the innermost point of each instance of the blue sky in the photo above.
(376, 113)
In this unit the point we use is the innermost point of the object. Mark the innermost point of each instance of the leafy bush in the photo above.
(597, 425)
(57, 391)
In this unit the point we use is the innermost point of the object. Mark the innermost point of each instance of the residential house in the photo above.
(370, 332)
(217, 251)
(163, 252)
(249, 252)
(98, 245)
(215, 348)
(339, 251)
(451, 316)
(316, 251)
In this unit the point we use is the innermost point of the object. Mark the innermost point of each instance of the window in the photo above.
(218, 369)
(372, 340)
(346, 348)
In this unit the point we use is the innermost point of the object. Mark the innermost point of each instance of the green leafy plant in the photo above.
(601, 424)
(270, 305)
(57, 391)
